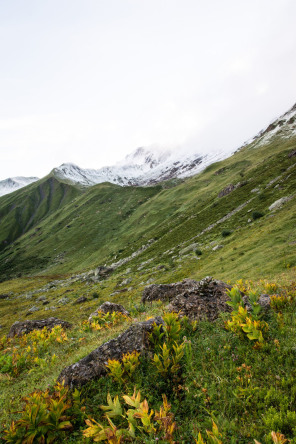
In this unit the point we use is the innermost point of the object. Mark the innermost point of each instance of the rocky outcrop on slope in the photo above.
(226, 190)
(204, 301)
(25, 327)
(166, 292)
(109, 307)
(94, 365)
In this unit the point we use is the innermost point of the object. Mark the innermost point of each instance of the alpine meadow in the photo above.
(153, 303)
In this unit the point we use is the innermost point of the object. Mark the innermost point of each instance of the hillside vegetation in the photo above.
(70, 231)
(227, 381)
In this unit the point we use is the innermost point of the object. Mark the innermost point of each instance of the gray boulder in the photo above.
(93, 366)
(279, 203)
(23, 328)
(166, 292)
(108, 307)
(205, 301)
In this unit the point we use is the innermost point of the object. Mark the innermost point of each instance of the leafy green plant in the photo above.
(115, 370)
(130, 362)
(243, 322)
(170, 332)
(255, 306)
(214, 436)
(278, 303)
(235, 298)
(103, 321)
(31, 350)
(46, 416)
(121, 371)
(136, 419)
(168, 360)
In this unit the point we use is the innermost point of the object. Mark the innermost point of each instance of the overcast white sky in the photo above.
(88, 81)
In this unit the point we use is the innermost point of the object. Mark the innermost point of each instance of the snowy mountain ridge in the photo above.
(142, 167)
(149, 166)
(284, 126)
(14, 183)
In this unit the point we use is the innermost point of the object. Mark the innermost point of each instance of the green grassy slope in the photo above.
(107, 223)
(78, 231)
(22, 210)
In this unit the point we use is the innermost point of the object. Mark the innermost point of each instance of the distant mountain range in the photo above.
(142, 167)
(63, 223)
(15, 183)
(149, 166)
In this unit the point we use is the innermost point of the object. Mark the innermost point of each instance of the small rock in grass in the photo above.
(81, 300)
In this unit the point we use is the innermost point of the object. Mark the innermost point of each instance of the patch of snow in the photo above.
(285, 126)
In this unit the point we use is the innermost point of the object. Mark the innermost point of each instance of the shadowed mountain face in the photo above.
(52, 226)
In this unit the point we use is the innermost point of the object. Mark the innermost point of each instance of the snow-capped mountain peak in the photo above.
(151, 165)
(145, 156)
(14, 183)
(144, 166)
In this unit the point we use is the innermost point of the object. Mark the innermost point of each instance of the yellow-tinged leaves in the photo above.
(278, 438)
(119, 371)
(139, 419)
(113, 408)
(133, 401)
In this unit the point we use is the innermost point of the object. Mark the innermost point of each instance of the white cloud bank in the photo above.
(88, 82)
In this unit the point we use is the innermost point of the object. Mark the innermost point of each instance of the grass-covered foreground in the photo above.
(229, 381)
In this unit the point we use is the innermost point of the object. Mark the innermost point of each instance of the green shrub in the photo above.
(46, 416)
(281, 421)
(257, 215)
(198, 252)
(226, 233)
(5, 364)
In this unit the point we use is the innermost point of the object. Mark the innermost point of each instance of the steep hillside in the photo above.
(24, 209)
(71, 225)
(108, 223)
(229, 378)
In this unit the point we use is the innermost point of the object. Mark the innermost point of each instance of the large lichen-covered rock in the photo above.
(205, 301)
(109, 307)
(167, 292)
(94, 365)
(25, 327)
